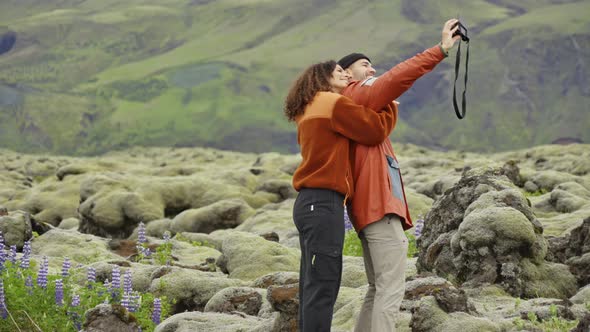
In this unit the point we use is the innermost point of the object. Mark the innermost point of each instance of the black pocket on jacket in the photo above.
(395, 178)
(326, 263)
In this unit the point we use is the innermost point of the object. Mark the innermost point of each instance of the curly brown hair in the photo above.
(314, 79)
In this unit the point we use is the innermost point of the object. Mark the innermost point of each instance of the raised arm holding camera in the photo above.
(379, 210)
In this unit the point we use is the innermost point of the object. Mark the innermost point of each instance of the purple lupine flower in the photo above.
(142, 248)
(65, 267)
(91, 275)
(116, 282)
(29, 285)
(3, 309)
(146, 252)
(127, 286)
(26, 259)
(418, 227)
(12, 254)
(134, 302)
(156, 313)
(125, 301)
(141, 238)
(347, 224)
(42, 276)
(2, 257)
(59, 292)
(75, 300)
(130, 302)
(107, 283)
(166, 236)
(74, 316)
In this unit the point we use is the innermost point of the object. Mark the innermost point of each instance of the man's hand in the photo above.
(448, 41)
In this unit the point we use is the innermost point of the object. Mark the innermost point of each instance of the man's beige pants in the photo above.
(385, 247)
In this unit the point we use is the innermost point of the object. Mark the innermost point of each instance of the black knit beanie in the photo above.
(351, 58)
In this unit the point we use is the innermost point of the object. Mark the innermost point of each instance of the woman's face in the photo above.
(339, 79)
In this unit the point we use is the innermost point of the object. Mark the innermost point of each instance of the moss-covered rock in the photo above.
(191, 289)
(353, 272)
(250, 256)
(483, 231)
(53, 201)
(276, 218)
(219, 215)
(113, 206)
(429, 317)
(213, 322)
(16, 228)
(80, 248)
(418, 204)
(243, 299)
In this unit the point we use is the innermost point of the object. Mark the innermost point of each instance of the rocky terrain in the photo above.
(506, 236)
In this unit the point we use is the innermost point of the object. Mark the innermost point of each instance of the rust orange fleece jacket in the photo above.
(325, 131)
(379, 186)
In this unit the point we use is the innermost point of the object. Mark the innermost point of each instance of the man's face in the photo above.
(360, 70)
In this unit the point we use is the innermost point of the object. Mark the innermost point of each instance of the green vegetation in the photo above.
(535, 193)
(33, 308)
(88, 77)
(353, 246)
(553, 324)
(180, 237)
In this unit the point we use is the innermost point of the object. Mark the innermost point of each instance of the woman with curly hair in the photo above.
(327, 123)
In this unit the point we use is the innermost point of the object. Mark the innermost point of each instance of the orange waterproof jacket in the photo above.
(378, 184)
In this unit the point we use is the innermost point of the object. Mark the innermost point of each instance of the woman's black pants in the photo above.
(319, 217)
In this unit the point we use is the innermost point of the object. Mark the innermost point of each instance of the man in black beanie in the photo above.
(357, 65)
(378, 210)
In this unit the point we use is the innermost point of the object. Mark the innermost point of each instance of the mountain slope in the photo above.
(90, 76)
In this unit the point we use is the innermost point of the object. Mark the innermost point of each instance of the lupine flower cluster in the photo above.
(74, 316)
(91, 276)
(347, 224)
(129, 300)
(418, 227)
(142, 248)
(127, 286)
(12, 254)
(19, 276)
(29, 285)
(26, 259)
(116, 280)
(75, 300)
(59, 292)
(156, 314)
(65, 268)
(42, 276)
(3, 309)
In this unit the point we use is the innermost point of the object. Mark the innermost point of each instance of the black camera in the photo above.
(462, 31)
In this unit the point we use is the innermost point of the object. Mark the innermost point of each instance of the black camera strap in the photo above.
(461, 114)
